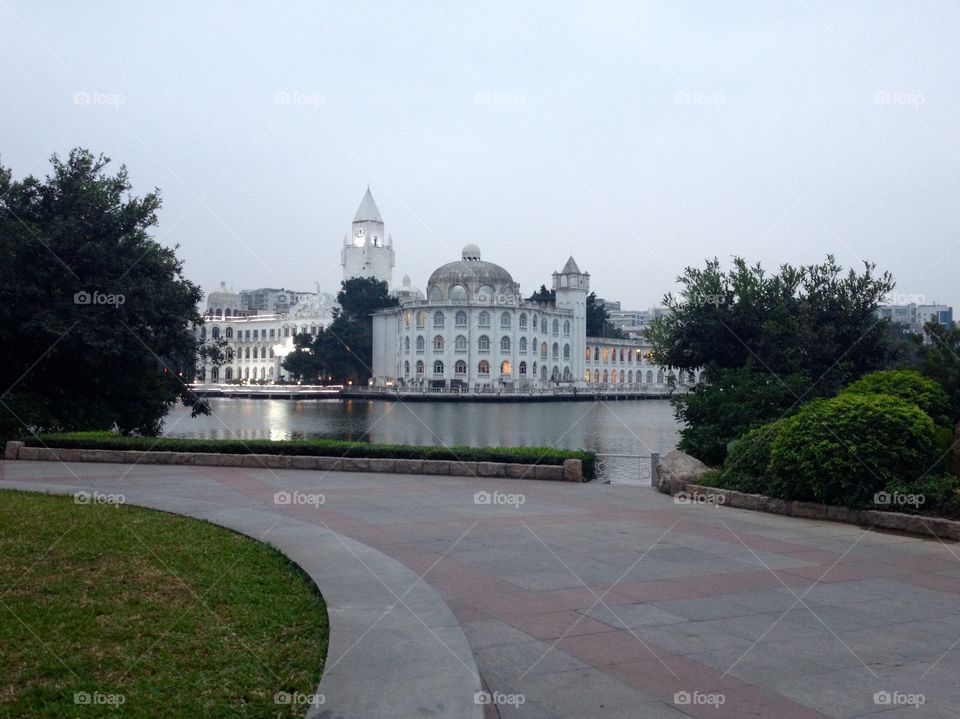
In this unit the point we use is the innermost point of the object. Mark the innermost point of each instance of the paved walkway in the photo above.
(581, 601)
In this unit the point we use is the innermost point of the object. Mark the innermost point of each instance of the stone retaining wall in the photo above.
(872, 518)
(571, 471)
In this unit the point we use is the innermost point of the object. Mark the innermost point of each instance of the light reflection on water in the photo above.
(615, 428)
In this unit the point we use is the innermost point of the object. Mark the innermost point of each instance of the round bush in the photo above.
(910, 386)
(845, 449)
(747, 466)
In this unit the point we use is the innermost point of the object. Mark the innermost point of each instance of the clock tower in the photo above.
(367, 250)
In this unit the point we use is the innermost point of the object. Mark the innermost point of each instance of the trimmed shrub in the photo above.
(939, 494)
(316, 448)
(845, 449)
(910, 386)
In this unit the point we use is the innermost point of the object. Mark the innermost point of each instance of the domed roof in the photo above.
(223, 296)
(472, 274)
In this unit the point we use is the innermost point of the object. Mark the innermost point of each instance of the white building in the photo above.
(259, 325)
(475, 331)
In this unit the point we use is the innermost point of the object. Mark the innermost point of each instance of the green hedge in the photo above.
(317, 448)
(747, 465)
(845, 449)
(908, 385)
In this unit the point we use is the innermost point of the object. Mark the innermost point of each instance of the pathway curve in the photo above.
(581, 600)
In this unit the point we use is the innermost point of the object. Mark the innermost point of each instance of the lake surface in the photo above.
(636, 427)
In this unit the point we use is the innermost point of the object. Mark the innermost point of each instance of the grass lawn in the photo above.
(119, 611)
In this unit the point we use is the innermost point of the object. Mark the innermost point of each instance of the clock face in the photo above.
(361, 231)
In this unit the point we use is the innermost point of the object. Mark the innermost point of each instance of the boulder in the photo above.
(678, 469)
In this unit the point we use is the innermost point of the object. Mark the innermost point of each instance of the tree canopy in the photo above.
(96, 317)
(598, 320)
(767, 342)
(342, 351)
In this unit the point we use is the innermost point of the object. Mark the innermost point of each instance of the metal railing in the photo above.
(639, 469)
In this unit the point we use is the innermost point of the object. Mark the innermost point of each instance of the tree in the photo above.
(544, 296)
(96, 318)
(598, 320)
(940, 361)
(767, 343)
(343, 351)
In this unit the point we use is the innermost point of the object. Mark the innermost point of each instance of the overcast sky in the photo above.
(641, 138)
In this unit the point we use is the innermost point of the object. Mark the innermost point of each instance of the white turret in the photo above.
(367, 252)
(572, 287)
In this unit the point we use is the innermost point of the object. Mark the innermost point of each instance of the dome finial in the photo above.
(470, 252)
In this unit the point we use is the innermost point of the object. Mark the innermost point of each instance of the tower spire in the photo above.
(368, 211)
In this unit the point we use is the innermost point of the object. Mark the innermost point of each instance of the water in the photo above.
(609, 428)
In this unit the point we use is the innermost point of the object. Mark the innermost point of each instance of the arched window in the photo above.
(460, 343)
(458, 293)
(229, 333)
(485, 294)
(483, 319)
(596, 376)
(421, 343)
(566, 351)
(543, 350)
(229, 354)
(419, 366)
(406, 368)
(203, 332)
(621, 376)
(534, 323)
(483, 344)
(556, 351)
(438, 321)
(556, 327)
(523, 369)
(649, 376)
(246, 353)
(543, 330)
(407, 318)
(587, 376)
(214, 374)
(228, 374)
(534, 370)
(438, 343)
(438, 367)
(606, 354)
(523, 320)
(660, 376)
(421, 319)
(436, 294)
(460, 368)
(461, 319)
(566, 374)
(621, 354)
(630, 377)
(483, 367)
(406, 344)
(504, 344)
(215, 333)
(505, 368)
(566, 328)
(596, 354)
(543, 371)
(246, 373)
(523, 345)
(505, 321)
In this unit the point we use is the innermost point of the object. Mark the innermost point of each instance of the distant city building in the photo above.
(914, 316)
(635, 323)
